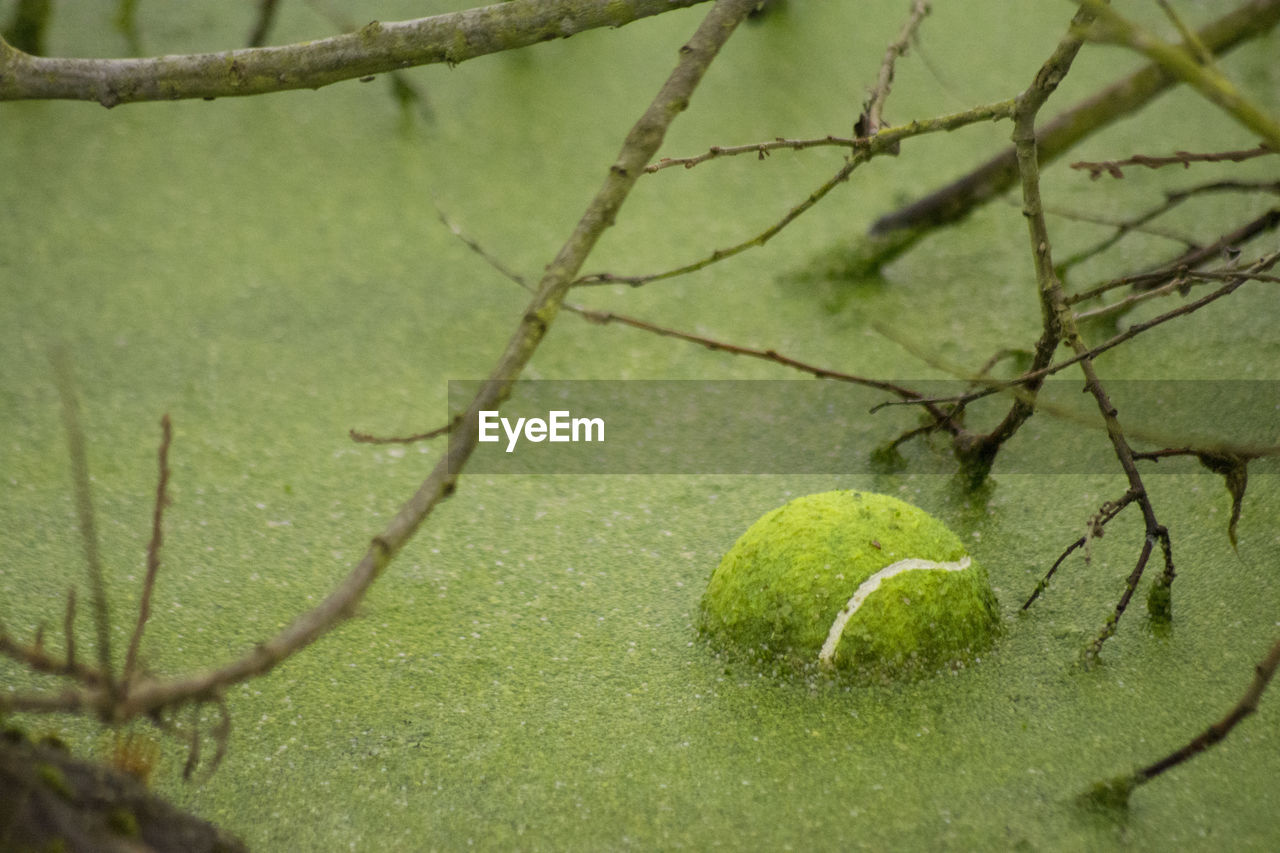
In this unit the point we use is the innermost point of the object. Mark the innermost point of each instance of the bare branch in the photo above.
(366, 438)
(35, 658)
(600, 317)
(377, 48)
(1140, 222)
(153, 550)
(1115, 793)
(906, 394)
(1250, 20)
(1181, 266)
(882, 142)
(29, 24)
(1115, 168)
(872, 118)
(126, 23)
(1184, 62)
(150, 695)
(1233, 279)
(489, 258)
(84, 511)
(1247, 705)
(977, 453)
(1097, 522)
(69, 627)
(1232, 466)
(1060, 326)
(886, 140)
(761, 149)
(1189, 38)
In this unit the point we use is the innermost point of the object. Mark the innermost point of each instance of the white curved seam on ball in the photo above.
(870, 585)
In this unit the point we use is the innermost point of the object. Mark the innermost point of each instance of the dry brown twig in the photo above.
(863, 151)
(367, 438)
(942, 419)
(1183, 265)
(871, 120)
(868, 125)
(87, 523)
(1097, 522)
(1115, 168)
(1115, 793)
(153, 550)
(1140, 223)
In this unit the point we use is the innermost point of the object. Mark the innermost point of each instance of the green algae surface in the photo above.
(528, 674)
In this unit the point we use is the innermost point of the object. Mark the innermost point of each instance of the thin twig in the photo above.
(872, 119)
(1115, 168)
(1189, 37)
(1189, 260)
(1139, 223)
(1186, 63)
(1233, 279)
(878, 144)
(69, 627)
(760, 149)
(1247, 705)
(1105, 514)
(977, 452)
(1114, 793)
(601, 317)
(126, 22)
(263, 23)
(887, 139)
(153, 550)
(36, 659)
(1060, 324)
(84, 511)
(906, 394)
(489, 258)
(366, 438)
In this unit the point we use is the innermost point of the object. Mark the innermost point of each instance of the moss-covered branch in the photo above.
(1060, 327)
(376, 48)
(977, 452)
(1119, 100)
(1184, 62)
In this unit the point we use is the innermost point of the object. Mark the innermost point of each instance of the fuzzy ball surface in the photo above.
(861, 583)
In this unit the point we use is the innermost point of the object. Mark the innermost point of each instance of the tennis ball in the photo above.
(852, 582)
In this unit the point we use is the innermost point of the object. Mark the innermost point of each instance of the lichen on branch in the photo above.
(376, 48)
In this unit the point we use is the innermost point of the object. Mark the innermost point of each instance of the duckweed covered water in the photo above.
(528, 675)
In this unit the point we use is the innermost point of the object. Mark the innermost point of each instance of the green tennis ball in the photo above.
(852, 582)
